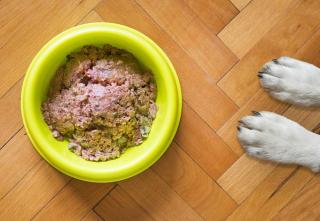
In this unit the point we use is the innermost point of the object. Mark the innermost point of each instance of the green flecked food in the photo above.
(102, 101)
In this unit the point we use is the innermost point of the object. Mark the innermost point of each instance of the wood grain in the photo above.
(205, 147)
(92, 216)
(184, 176)
(285, 38)
(157, 198)
(93, 16)
(283, 194)
(264, 15)
(272, 194)
(12, 16)
(77, 198)
(16, 159)
(205, 48)
(197, 86)
(215, 14)
(33, 192)
(259, 102)
(305, 205)
(10, 106)
(29, 39)
(10, 101)
(118, 200)
(74, 196)
(217, 47)
(244, 176)
(240, 4)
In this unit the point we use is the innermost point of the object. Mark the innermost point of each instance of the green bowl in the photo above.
(135, 159)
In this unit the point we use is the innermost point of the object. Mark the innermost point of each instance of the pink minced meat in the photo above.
(102, 102)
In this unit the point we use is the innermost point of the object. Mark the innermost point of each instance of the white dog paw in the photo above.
(292, 81)
(270, 136)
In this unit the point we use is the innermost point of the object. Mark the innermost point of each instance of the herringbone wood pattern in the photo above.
(217, 47)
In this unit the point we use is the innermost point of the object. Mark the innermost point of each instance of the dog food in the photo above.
(102, 101)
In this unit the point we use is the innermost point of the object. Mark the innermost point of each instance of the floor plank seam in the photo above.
(146, 211)
(317, 29)
(215, 131)
(11, 87)
(205, 25)
(294, 196)
(228, 71)
(104, 196)
(213, 180)
(276, 23)
(27, 172)
(53, 197)
(178, 44)
(138, 204)
(254, 189)
(93, 9)
(283, 183)
(204, 72)
(235, 8)
(11, 137)
(248, 3)
(221, 89)
(98, 215)
(242, 106)
(48, 39)
(83, 17)
(178, 195)
(272, 191)
(204, 121)
(234, 16)
(239, 61)
(218, 33)
(87, 212)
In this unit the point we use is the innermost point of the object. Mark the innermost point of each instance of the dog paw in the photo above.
(270, 136)
(291, 81)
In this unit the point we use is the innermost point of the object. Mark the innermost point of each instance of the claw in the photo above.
(256, 113)
(241, 124)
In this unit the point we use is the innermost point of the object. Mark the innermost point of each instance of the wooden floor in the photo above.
(217, 47)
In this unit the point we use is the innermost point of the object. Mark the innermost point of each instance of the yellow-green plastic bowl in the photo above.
(135, 159)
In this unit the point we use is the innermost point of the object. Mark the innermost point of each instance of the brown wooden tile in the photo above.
(119, 206)
(157, 198)
(195, 187)
(191, 34)
(199, 89)
(285, 38)
(215, 14)
(77, 198)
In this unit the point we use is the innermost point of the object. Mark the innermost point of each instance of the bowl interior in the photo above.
(135, 159)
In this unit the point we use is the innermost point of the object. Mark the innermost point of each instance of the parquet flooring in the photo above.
(217, 47)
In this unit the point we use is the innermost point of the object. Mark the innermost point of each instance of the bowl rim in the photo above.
(70, 33)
